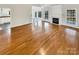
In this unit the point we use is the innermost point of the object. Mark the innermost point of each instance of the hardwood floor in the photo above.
(40, 39)
(4, 36)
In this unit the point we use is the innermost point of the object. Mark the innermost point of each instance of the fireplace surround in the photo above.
(55, 20)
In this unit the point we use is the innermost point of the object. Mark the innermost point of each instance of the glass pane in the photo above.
(39, 14)
(71, 16)
(46, 14)
(35, 14)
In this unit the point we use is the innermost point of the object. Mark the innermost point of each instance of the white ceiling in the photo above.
(40, 5)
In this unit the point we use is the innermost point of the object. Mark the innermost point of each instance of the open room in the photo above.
(39, 29)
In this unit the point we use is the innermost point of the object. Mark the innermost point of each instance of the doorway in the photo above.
(5, 17)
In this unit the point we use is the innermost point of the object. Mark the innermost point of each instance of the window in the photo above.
(46, 14)
(39, 14)
(4, 12)
(71, 16)
(35, 14)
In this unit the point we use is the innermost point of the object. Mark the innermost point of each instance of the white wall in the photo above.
(35, 9)
(53, 11)
(49, 9)
(42, 9)
(20, 14)
(57, 12)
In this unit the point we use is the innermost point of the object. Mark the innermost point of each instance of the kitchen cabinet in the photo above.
(4, 19)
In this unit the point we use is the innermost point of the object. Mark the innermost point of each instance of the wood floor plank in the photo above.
(41, 39)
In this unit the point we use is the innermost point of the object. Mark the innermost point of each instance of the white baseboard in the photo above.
(19, 25)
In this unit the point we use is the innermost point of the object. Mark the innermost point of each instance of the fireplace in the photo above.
(55, 20)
